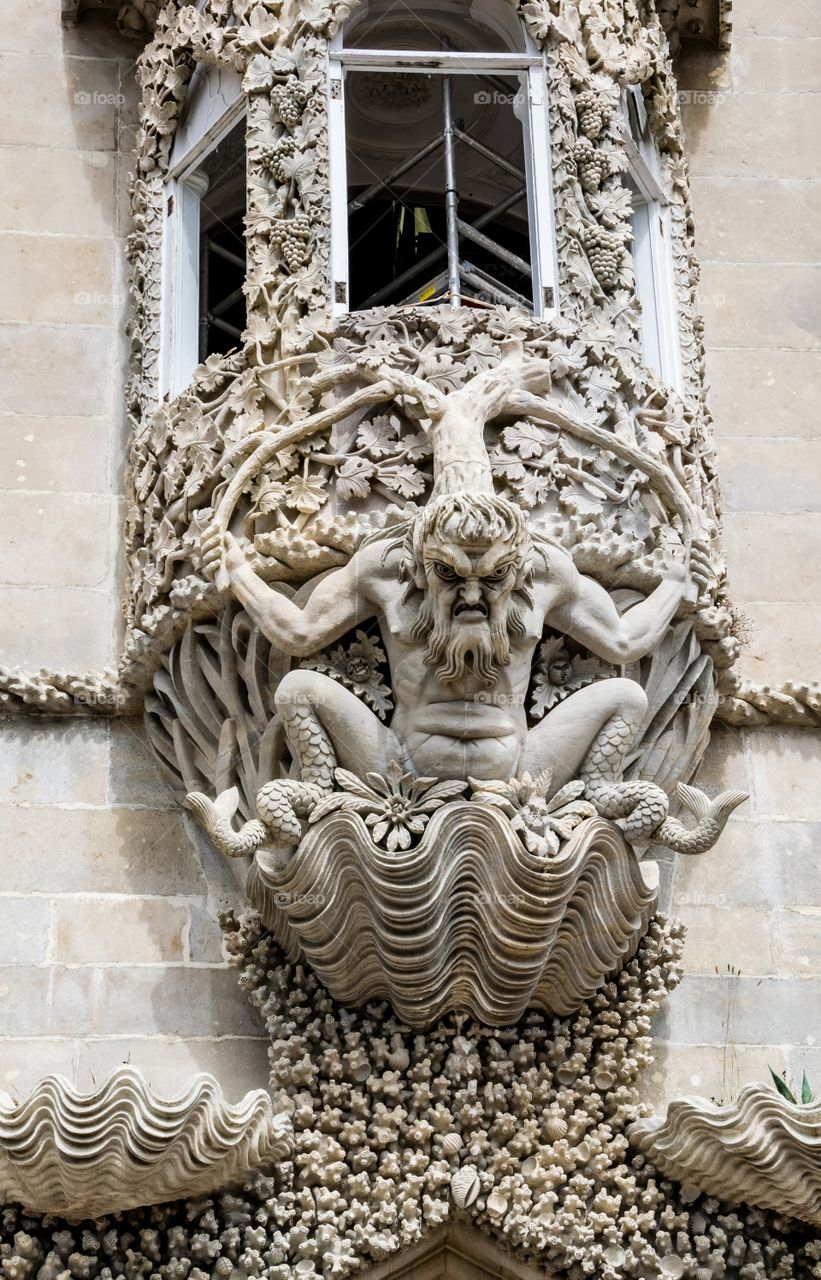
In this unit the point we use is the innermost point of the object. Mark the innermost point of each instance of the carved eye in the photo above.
(445, 571)
(501, 571)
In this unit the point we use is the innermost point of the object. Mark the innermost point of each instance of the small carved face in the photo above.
(559, 671)
(471, 581)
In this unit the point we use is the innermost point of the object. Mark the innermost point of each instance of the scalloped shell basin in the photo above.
(468, 920)
(122, 1146)
(760, 1149)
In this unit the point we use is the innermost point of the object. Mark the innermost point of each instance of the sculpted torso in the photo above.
(481, 730)
(461, 604)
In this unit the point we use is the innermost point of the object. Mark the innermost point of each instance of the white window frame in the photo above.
(214, 106)
(652, 247)
(536, 137)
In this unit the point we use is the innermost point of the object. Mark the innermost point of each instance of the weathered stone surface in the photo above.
(60, 454)
(60, 540)
(797, 941)
(760, 864)
(30, 28)
(772, 209)
(718, 936)
(775, 64)
(724, 760)
(774, 306)
(716, 1071)
(769, 554)
(205, 941)
(765, 393)
(744, 136)
(57, 280)
(56, 102)
(760, 18)
(25, 932)
(46, 762)
(55, 369)
(135, 931)
(732, 1009)
(783, 642)
(157, 1000)
(784, 771)
(764, 476)
(85, 180)
(167, 1062)
(64, 627)
(47, 1001)
(136, 777)
(81, 850)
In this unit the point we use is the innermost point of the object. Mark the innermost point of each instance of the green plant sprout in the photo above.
(784, 1089)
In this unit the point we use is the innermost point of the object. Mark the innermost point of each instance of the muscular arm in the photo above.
(338, 603)
(588, 614)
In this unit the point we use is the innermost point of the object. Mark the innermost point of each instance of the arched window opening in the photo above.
(204, 258)
(441, 166)
(652, 239)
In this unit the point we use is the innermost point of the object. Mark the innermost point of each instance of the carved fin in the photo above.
(214, 816)
(711, 818)
(696, 801)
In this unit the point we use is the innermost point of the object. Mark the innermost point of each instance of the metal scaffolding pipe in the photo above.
(451, 199)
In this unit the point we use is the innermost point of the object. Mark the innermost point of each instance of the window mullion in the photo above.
(539, 168)
(337, 149)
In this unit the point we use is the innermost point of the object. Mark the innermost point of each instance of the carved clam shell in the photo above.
(759, 1150)
(468, 920)
(84, 1155)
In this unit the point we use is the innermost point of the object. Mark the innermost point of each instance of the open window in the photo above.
(440, 183)
(652, 240)
(203, 235)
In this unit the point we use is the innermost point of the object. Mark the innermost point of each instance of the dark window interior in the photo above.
(397, 188)
(222, 244)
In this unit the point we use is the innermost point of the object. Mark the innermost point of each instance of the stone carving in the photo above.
(761, 1149)
(135, 18)
(745, 703)
(63, 693)
(462, 591)
(85, 1155)
(387, 1121)
(469, 919)
(702, 22)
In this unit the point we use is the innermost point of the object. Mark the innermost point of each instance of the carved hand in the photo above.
(695, 570)
(219, 550)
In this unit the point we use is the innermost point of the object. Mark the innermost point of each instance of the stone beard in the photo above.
(470, 556)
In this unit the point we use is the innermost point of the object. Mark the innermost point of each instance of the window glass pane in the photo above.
(220, 181)
(483, 27)
(397, 188)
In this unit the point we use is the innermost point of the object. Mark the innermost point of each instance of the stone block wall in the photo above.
(753, 905)
(109, 951)
(65, 134)
(753, 120)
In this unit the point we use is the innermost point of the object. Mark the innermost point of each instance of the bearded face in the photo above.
(469, 612)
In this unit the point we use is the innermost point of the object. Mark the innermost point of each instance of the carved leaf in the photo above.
(353, 479)
(527, 439)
